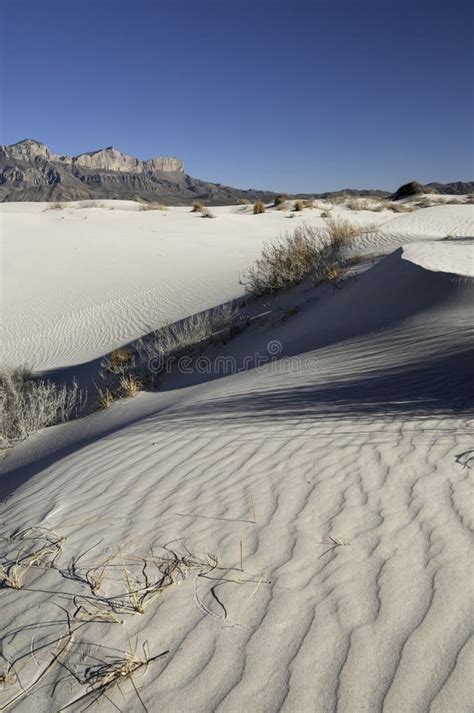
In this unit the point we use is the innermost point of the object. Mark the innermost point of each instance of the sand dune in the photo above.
(330, 485)
(81, 281)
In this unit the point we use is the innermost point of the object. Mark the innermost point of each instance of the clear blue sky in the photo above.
(297, 95)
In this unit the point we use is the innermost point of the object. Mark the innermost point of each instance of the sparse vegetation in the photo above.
(306, 252)
(159, 350)
(105, 398)
(399, 207)
(340, 232)
(309, 203)
(357, 204)
(206, 213)
(258, 207)
(298, 206)
(280, 200)
(130, 385)
(152, 206)
(197, 207)
(28, 405)
(118, 360)
(56, 206)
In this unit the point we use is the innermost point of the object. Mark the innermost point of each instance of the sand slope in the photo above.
(339, 469)
(81, 281)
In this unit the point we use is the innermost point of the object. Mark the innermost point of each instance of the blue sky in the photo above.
(297, 95)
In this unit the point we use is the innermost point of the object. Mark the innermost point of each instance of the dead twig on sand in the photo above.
(105, 675)
(335, 542)
(31, 547)
(466, 458)
(63, 643)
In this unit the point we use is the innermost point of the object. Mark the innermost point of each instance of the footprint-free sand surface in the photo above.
(316, 512)
(81, 281)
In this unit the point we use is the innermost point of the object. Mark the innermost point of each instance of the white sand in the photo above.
(353, 437)
(81, 281)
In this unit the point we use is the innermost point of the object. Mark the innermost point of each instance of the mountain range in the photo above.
(30, 171)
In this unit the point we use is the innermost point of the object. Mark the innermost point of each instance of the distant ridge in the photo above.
(30, 171)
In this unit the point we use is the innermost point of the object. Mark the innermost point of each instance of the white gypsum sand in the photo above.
(332, 486)
(81, 281)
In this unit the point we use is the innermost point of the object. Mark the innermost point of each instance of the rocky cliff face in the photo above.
(29, 171)
(108, 159)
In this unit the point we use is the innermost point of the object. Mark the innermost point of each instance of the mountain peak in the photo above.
(107, 159)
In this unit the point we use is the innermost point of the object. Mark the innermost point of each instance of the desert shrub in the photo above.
(399, 207)
(56, 206)
(105, 398)
(258, 207)
(197, 207)
(309, 203)
(206, 213)
(27, 405)
(130, 385)
(280, 200)
(169, 343)
(119, 359)
(325, 214)
(357, 204)
(423, 203)
(298, 206)
(94, 204)
(340, 232)
(152, 206)
(293, 257)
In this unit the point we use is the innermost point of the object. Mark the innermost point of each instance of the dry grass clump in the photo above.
(27, 405)
(298, 206)
(424, 203)
(152, 206)
(118, 360)
(357, 204)
(340, 232)
(292, 258)
(206, 213)
(95, 204)
(258, 207)
(309, 251)
(309, 203)
(105, 398)
(280, 200)
(105, 675)
(197, 207)
(56, 206)
(166, 345)
(334, 273)
(399, 207)
(130, 385)
(32, 547)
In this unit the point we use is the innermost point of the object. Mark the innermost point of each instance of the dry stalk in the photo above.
(104, 676)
